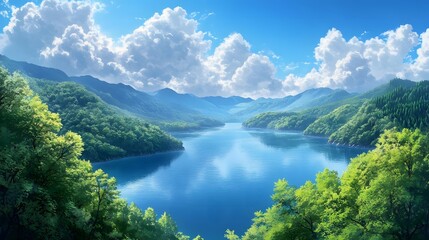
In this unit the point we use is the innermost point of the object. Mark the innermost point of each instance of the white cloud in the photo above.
(291, 67)
(229, 55)
(168, 50)
(77, 51)
(353, 74)
(32, 28)
(238, 71)
(420, 68)
(168, 46)
(356, 65)
(386, 56)
(255, 78)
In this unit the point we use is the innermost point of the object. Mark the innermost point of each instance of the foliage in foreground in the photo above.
(47, 192)
(383, 194)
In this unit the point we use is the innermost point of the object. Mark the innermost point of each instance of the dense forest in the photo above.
(264, 119)
(359, 120)
(329, 123)
(400, 108)
(46, 191)
(106, 132)
(383, 194)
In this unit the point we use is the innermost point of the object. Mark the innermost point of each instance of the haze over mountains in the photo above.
(319, 111)
(168, 105)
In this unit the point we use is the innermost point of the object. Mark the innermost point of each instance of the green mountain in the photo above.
(300, 102)
(106, 132)
(399, 108)
(175, 111)
(331, 122)
(191, 103)
(264, 119)
(33, 70)
(358, 120)
(227, 102)
(122, 96)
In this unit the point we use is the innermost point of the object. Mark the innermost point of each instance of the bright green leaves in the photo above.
(400, 108)
(106, 132)
(383, 194)
(329, 123)
(46, 192)
(168, 226)
(230, 235)
(392, 195)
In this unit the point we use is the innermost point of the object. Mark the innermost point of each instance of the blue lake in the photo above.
(224, 175)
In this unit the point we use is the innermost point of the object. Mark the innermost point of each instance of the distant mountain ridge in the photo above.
(167, 105)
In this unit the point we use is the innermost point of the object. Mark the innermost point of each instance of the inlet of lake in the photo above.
(224, 175)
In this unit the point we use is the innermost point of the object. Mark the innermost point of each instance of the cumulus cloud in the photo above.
(32, 28)
(255, 78)
(169, 50)
(168, 46)
(386, 56)
(77, 51)
(357, 65)
(420, 67)
(229, 55)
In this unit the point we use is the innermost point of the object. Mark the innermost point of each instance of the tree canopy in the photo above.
(47, 192)
(383, 194)
(107, 132)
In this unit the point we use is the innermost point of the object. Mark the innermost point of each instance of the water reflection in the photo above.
(224, 175)
(137, 167)
(291, 140)
(279, 140)
(338, 153)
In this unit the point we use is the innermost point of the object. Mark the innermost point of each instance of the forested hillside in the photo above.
(158, 111)
(105, 131)
(264, 119)
(382, 195)
(46, 191)
(122, 96)
(331, 122)
(359, 120)
(400, 108)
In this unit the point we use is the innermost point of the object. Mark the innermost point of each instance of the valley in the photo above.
(210, 120)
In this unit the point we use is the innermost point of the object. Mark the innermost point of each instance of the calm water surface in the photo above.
(224, 175)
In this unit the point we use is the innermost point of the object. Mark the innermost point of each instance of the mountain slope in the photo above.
(329, 123)
(33, 70)
(400, 108)
(335, 117)
(127, 98)
(305, 100)
(106, 132)
(120, 95)
(227, 102)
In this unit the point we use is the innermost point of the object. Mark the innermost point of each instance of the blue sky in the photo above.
(287, 32)
(289, 29)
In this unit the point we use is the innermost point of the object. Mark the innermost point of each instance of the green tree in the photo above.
(383, 194)
(46, 191)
